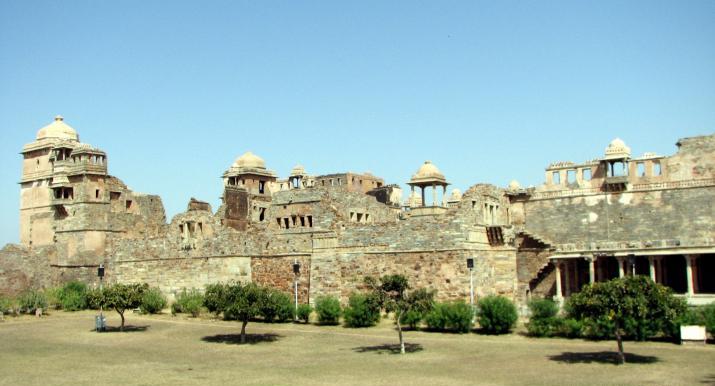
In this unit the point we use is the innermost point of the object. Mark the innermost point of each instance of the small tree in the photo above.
(120, 297)
(244, 302)
(391, 292)
(635, 306)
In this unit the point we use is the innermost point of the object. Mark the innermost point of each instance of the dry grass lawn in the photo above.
(62, 349)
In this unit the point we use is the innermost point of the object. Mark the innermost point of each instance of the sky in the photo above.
(489, 91)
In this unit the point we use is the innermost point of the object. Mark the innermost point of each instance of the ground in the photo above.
(63, 349)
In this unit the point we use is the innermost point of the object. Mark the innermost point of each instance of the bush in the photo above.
(276, 305)
(328, 310)
(215, 297)
(543, 320)
(188, 302)
(303, 313)
(451, 316)
(362, 310)
(497, 314)
(701, 316)
(569, 328)
(73, 296)
(53, 298)
(153, 301)
(7, 305)
(31, 300)
(94, 298)
(412, 319)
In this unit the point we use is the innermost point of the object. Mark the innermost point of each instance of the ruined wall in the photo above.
(20, 269)
(655, 216)
(339, 272)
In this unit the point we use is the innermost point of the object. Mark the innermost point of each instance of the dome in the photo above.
(428, 173)
(617, 149)
(58, 129)
(456, 195)
(251, 161)
(514, 185)
(298, 170)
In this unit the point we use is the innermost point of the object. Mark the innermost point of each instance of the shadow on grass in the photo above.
(389, 348)
(127, 328)
(236, 338)
(709, 380)
(601, 357)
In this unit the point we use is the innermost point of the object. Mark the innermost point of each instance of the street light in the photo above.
(100, 322)
(470, 266)
(296, 274)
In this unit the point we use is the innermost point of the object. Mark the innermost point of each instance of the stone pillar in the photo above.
(651, 267)
(689, 274)
(444, 195)
(422, 188)
(434, 195)
(559, 294)
(632, 265)
(621, 262)
(567, 279)
(591, 269)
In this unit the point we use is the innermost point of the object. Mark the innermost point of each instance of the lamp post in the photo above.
(470, 266)
(296, 274)
(100, 322)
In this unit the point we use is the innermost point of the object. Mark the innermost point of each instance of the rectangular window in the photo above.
(556, 178)
(129, 204)
(586, 174)
(656, 169)
(96, 193)
(310, 221)
(261, 187)
(571, 176)
(114, 195)
(640, 169)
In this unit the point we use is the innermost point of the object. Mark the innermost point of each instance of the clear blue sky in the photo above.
(489, 91)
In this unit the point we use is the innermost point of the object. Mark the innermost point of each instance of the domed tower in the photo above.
(427, 176)
(615, 163)
(247, 191)
(59, 176)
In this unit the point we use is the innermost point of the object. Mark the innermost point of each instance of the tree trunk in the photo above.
(243, 331)
(621, 355)
(399, 332)
(121, 327)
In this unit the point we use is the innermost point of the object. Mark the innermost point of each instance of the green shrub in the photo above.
(188, 302)
(7, 304)
(303, 312)
(53, 298)
(276, 306)
(94, 298)
(328, 310)
(701, 316)
(569, 328)
(153, 301)
(709, 316)
(362, 310)
(73, 296)
(412, 319)
(215, 298)
(497, 314)
(543, 320)
(451, 316)
(31, 300)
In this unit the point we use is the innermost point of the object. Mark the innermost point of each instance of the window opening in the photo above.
(556, 178)
(586, 174)
(656, 169)
(570, 176)
(640, 167)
